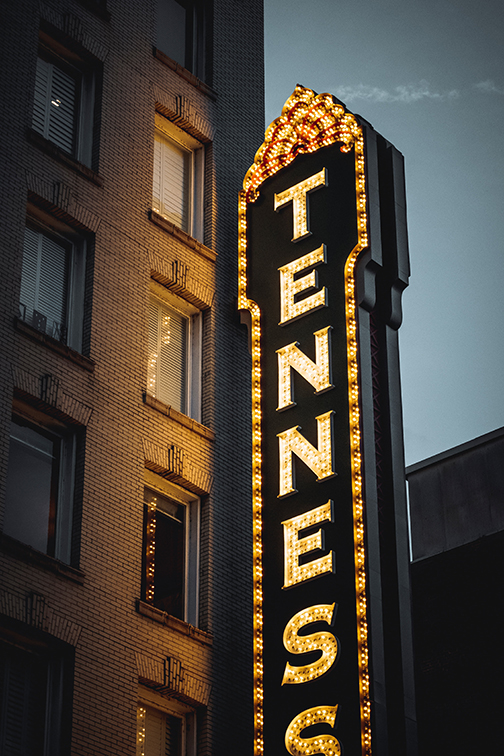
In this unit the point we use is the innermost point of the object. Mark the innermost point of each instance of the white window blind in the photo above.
(44, 281)
(167, 369)
(54, 107)
(172, 181)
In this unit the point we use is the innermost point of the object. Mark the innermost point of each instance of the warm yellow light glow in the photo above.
(294, 546)
(297, 194)
(150, 546)
(317, 373)
(290, 309)
(140, 745)
(309, 122)
(321, 744)
(320, 461)
(323, 641)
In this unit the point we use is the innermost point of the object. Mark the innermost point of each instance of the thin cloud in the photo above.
(405, 93)
(489, 87)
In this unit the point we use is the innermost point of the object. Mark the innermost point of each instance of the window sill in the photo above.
(185, 74)
(184, 628)
(63, 157)
(179, 417)
(28, 554)
(54, 345)
(182, 236)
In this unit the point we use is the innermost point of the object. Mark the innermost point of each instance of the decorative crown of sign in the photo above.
(308, 122)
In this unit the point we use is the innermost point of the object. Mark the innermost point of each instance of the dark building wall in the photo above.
(458, 623)
(456, 497)
(92, 606)
(456, 505)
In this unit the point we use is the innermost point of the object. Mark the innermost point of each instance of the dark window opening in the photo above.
(39, 489)
(181, 33)
(164, 553)
(35, 700)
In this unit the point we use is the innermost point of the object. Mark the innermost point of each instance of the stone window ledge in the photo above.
(54, 345)
(27, 554)
(62, 157)
(179, 417)
(184, 628)
(185, 74)
(182, 236)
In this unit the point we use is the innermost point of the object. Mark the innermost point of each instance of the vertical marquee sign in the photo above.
(303, 225)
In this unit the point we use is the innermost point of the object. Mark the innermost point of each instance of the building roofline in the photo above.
(479, 441)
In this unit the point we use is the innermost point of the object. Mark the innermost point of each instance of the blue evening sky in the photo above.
(429, 76)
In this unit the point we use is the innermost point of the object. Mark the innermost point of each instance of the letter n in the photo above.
(320, 461)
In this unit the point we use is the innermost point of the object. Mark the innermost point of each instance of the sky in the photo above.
(429, 76)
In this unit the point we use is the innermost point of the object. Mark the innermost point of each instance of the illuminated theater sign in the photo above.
(303, 225)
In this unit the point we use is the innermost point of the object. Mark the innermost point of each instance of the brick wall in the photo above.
(92, 605)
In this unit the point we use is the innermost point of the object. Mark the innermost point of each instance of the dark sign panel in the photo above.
(302, 227)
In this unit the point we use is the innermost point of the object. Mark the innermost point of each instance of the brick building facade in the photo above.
(125, 598)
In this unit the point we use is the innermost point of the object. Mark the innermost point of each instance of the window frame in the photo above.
(161, 296)
(58, 659)
(85, 77)
(176, 709)
(62, 486)
(196, 36)
(76, 258)
(165, 133)
(192, 537)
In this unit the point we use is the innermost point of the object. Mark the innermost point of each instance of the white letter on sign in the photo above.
(297, 195)
(324, 641)
(317, 373)
(320, 461)
(290, 288)
(294, 547)
(325, 744)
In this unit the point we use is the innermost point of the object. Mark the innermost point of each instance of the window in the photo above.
(35, 708)
(177, 191)
(171, 548)
(181, 33)
(39, 486)
(169, 731)
(174, 366)
(63, 107)
(52, 285)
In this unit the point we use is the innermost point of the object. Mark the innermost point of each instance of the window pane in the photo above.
(29, 275)
(169, 553)
(169, 567)
(62, 110)
(54, 105)
(172, 181)
(167, 369)
(173, 736)
(31, 488)
(44, 283)
(172, 358)
(52, 294)
(171, 30)
(40, 119)
(23, 678)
